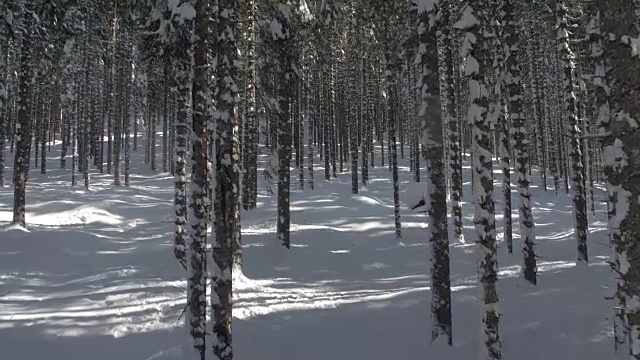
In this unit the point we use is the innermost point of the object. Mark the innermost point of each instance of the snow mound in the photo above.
(85, 214)
(367, 200)
(261, 297)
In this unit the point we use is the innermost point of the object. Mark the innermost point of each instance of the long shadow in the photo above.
(93, 274)
(111, 289)
(346, 277)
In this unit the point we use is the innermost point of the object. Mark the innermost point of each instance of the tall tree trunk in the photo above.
(183, 52)
(117, 115)
(450, 98)
(620, 122)
(513, 83)
(392, 104)
(126, 121)
(23, 131)
(251, 139)
(579, 195)
(436, 201)
(284, 47)
(4, 106)
(475, 20)
(166, 69)
(226, 248)
(198, 219)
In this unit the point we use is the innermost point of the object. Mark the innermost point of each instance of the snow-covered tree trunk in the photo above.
(250, 141)
(475, 22)
(126, 118)
(152, 127)
(364, 118)
(86, 119)
(73, 118)
(44, 128)
(282, 34)
(80, 122)
(415, 96)
(23, 130)
(107, 110)
(324, 111)
(392, 101)
(299, 119)
(579, 199)
(447, 72)
(172, 127)
(166, 69)
(432, 141)
(501, 120)
(198, 215)
(520, 142)
(183, 52)
(353, 106)
(4, 104)
(310, 116)
(226, 248)
(327, 60)
(137, 107)
(116, 117)
(602, 113)
(551, 111)
(619, 121)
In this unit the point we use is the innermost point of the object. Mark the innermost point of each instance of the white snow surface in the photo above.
(93, 275)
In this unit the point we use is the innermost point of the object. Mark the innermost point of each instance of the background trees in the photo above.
(359, 84)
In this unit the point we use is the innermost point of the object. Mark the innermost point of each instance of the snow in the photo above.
(8, 17)
(276, 27)
(184, 11)
(68, 46)
(472, 67)
(467, 20)
(303, 9)
(634, 44)
(604, 113)
(615, 156)
(93, 275)
(425, 5)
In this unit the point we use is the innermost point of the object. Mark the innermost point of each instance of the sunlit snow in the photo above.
(93, 275)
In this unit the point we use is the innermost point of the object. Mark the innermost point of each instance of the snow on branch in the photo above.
(634, 44)
(425, 5)
(468, 19)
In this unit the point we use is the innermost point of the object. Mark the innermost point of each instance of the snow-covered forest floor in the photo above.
(94, 276)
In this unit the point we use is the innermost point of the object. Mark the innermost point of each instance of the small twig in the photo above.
(182, 313)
